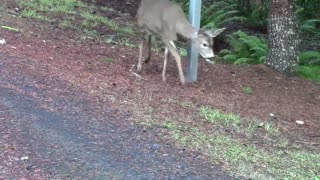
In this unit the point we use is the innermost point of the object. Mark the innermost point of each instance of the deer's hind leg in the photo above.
(148, 49)
(139, 66)
(164, 69)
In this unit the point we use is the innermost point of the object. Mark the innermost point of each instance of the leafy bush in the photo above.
(245, 49)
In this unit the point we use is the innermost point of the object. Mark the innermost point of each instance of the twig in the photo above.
(308, 142)
(10, 28)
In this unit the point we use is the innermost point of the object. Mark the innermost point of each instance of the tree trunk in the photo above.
(283, 36)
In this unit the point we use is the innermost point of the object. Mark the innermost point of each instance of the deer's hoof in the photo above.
(147, 60)
(139, 69)
(164, 77)
(183, 81)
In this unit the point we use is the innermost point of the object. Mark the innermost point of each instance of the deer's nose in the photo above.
(207, 54)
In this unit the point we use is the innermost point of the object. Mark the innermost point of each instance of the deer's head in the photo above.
(204, 41)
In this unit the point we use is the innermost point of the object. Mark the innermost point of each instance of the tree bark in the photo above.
(283, 36)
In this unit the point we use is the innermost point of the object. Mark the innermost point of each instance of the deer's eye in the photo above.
(205, 45)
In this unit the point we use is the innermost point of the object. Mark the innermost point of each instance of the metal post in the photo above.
(193, 52)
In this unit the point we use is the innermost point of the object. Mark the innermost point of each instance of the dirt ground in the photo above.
(61, 53)
(288, 98)
(219, 86)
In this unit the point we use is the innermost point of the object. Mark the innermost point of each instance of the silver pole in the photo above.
(193, 52)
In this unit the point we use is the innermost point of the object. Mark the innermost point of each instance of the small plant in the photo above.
(183, 52)
(245, 49)
(252, 126)
(247, 90)
(169, 125)
(107, 60)
(271, 128)
(66, 23)
(92, 33)
(110, 39)
(126, 42)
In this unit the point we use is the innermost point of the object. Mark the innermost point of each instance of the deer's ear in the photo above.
(216, 32)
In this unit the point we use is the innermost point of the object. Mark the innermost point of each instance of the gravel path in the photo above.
(50, 129)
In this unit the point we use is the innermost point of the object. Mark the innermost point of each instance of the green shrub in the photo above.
(245, 49)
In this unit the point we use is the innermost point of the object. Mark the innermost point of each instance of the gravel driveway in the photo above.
(50, 130)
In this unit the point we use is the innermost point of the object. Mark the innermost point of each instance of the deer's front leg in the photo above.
(172, 49)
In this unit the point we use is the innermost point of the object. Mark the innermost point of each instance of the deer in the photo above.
(167, 20)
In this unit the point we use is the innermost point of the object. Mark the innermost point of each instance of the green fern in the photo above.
(310, 26)
(309, 58)
(220, 13)
(309, 72)
(245, 49)
(257, 17)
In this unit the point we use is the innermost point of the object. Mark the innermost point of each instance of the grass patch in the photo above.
(27, 13)
(67, 6)
(234, 121)
(272, 157)
(213, 115)
(100, 20)
(245, 159)
(77, 15)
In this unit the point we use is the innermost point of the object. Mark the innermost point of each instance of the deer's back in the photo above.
(161, 17)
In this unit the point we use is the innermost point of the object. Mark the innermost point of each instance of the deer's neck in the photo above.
(185, 29)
